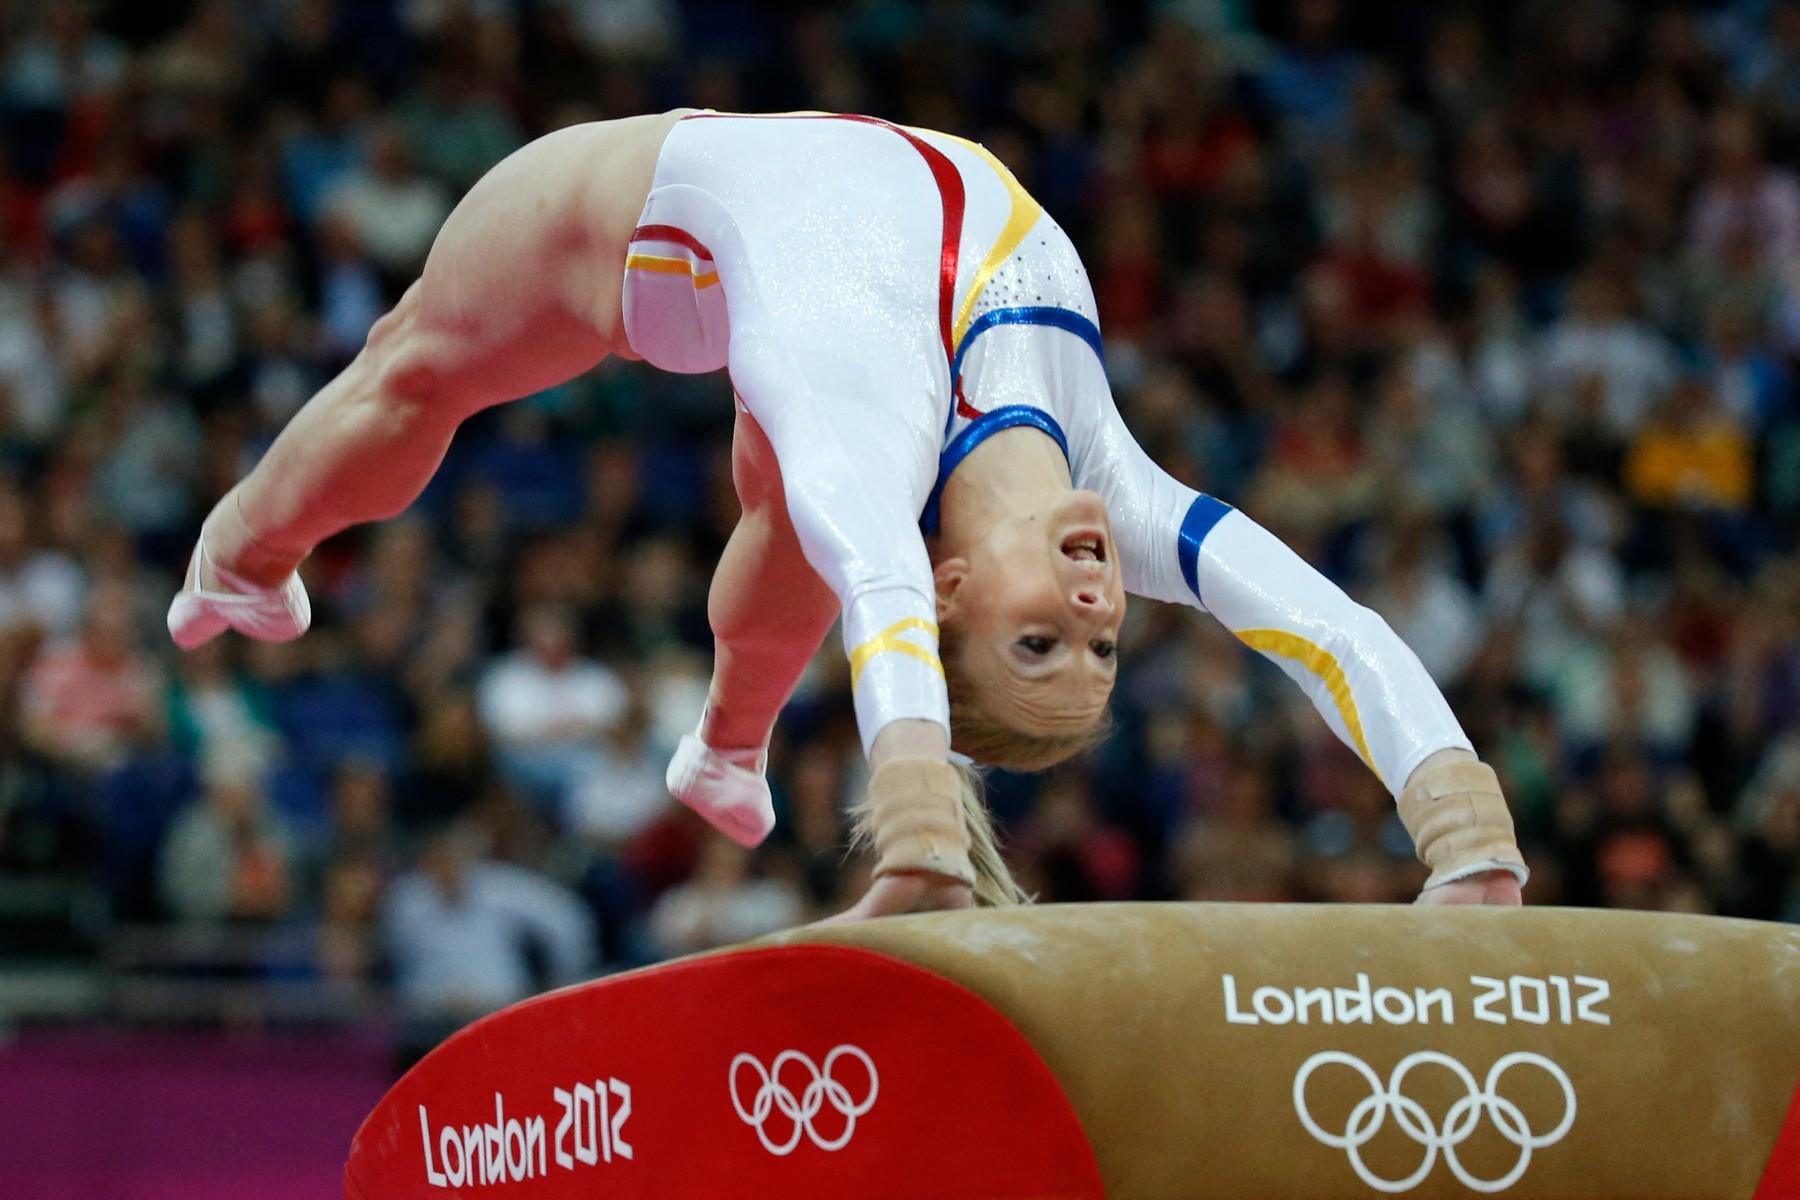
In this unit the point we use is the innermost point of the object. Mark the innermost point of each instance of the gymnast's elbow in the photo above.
(1363, 636)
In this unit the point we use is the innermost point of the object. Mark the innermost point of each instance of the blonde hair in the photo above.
(994, 883)
(979, 733)
(994, 886)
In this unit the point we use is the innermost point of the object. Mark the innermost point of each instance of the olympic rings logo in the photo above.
(1383, 1100)
(774, 1095)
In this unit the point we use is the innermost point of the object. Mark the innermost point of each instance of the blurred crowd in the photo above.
(1491, 310)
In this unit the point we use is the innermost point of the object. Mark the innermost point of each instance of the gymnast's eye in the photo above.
(1036, 644)
(1103, 648)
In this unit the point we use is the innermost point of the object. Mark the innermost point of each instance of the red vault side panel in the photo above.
(799, 1073)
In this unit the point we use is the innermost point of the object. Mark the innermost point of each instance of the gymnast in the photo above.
(925, 447)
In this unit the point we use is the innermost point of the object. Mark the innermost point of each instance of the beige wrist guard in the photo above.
(1460, 823)
(927, 816)
(914, 815)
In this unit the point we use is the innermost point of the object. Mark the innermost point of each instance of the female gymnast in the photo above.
(926, 446)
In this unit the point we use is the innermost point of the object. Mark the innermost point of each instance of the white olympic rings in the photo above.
(1367, 1118)
(773, 1095)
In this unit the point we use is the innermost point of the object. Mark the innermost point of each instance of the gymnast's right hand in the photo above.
(915, 820)
(1453, 807)
(1491, 887)
(894, 895)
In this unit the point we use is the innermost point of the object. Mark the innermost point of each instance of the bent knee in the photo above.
(408, 364)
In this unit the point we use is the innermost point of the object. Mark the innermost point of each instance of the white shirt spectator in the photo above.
(1495, 378)
(1635, 366)
(546, 709)
(722, 905)
(395, 220)
(395, 211)
(41, 588)
(525, 701)
(1638, 691)
(464, 950)
(620, 796)
(624, 27)
(1560, 610)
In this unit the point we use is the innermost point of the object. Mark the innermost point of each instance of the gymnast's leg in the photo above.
(769, 612)
(520, 292)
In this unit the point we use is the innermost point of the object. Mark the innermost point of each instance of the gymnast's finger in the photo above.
(904, 893)
(1494, 887)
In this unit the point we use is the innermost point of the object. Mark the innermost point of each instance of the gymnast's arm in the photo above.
(853, 498)
(1181, 546)
(850, 496)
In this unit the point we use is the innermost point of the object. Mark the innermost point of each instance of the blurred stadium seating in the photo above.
(1491, 310)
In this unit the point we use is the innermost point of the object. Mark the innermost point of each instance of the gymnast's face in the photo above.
(1035, 606)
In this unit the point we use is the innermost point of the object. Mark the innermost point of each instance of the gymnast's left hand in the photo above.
(907, 892)
(1489, 887)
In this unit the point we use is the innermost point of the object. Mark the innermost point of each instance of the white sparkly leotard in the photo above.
(884, 299)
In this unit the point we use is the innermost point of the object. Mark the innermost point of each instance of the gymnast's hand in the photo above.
(1490, 887)
(912, 891)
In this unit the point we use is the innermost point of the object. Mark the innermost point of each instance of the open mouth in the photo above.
(1085, 545)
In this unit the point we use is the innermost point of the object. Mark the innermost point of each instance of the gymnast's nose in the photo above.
(1090, 600)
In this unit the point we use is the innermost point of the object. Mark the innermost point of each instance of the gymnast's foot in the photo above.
(257, 594)
(728, 788)
(214, 600)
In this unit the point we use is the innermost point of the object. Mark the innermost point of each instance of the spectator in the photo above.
(469, 935)
(815, 803)
(97, 299)
(725, 902)
(625, 792)
(214, 711)
(1495, 315)
(1751, 382)
(145, 483)
(1770, 812)
(392, 210)
(228, 857)
(1437, 450)
(1598, 338)
(1429, 607)
(1317, 475)
(316, 157)
(1632, 688)
(204, 61)
(40, 589)
(1069, 853)
(1693, 454)
(206, 318)
(450, 767)
(454, 130)
(1744, 199)
(90, 698)
(349, 913)
(362, 804)
(32, 393)
(63, 63)
(545, 708)
(351, 297)
(1313, 77)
